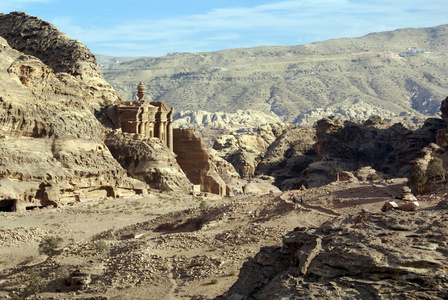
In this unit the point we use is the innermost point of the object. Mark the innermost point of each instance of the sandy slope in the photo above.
(167, 245)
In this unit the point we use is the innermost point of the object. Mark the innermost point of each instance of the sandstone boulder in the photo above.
(366, 173)
(261, 186)
(406, 201)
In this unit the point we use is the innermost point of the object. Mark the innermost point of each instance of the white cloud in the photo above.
(285, 22)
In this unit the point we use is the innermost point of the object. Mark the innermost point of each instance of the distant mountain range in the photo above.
(396, 73)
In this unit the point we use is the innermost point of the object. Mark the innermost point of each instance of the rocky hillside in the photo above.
(397, 73)
(64, 56)
(361, 256)
(51, 144)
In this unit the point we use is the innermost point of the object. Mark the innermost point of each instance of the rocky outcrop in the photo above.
(149, 160)
(71, 61)
(406, 201)
(361, 256)
(444, 108)
(245, 149)
(347, 145)
(290, 154)
(272, 149)
(197, 163)
(367, 173)
(356, 145)
(412, 143)
(51, 144)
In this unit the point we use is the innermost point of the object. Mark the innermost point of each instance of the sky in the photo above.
(159, 27)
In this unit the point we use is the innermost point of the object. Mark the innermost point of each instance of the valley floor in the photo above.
(166, 245)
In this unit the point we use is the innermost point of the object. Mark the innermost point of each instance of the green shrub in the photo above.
(62, 272)
(335, 173)
(418, 179)
(102, 246)
(48, 244)
(35, 283)
(435, 169)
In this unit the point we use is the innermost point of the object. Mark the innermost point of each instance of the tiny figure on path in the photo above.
(294, 199)
(301, 200)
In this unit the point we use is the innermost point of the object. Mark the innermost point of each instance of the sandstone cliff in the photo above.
(69, 59)
(52, 149)
(348, 145)
(198, 164)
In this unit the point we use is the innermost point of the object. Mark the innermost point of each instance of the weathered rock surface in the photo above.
(197, 163)
(390, 149)
(288, 155)
(361, 256)
(244, 149)
(149, 160)
(51, 144)
(406, 201)
(366, 173)
(70, 60)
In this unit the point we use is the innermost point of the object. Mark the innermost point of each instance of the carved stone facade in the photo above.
(147, 118)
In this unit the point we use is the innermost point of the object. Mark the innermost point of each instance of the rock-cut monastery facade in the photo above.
(147, 118)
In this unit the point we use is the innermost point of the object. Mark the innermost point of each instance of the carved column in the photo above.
(160, 130)
(169, 130)
(169, 135)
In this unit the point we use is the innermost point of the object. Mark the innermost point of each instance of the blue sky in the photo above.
(158, 27)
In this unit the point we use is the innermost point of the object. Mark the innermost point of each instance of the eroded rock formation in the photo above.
(70, 60)
(347, 145)
(51, 145)
(361, 256)
(149, 160)
(197, 164)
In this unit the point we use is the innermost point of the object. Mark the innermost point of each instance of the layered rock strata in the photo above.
(348, 145)
(69, 59)
(51, 145)
(361, 256)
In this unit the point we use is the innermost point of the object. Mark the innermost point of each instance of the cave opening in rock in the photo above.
(7, 205)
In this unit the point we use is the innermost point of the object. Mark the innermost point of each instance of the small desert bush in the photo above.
(417, 180)
(203, 205)
(62, 272)
(35, 283)
(48, 244)
(214, 281)
(102, 246)
(435, 169)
